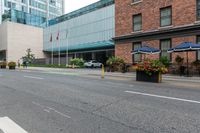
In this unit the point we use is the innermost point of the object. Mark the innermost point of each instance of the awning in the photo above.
(83, 47)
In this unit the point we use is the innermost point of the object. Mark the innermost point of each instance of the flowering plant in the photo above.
(152, 66)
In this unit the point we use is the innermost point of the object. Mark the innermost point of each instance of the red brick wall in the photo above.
(124, 50)
(183, 13)
(177, 41)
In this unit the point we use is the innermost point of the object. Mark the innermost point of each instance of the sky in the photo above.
(71, 5)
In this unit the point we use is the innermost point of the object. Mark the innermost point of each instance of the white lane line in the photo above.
(163, 97)
(9, 126)
(32, 77)
(49, 109)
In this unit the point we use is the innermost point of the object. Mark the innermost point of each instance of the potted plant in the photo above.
(12, 65)
(197, 65)
(150, 71)
(3, 65)
(115, 64)
(179, 60)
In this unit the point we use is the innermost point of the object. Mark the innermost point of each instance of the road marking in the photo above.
(49, 109)
(9, 126)
(31, 77)
(164, 97)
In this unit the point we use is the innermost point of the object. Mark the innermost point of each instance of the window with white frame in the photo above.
(137, 57)
(164, 46)
(166, 16)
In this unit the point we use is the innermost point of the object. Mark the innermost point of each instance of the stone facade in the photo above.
(17, 38)
(183, 15)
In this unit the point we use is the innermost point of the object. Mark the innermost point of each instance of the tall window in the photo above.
(198, 52)
(164, 46)
(166, 16)
(137, 57)
(137, 22)
(198, 9)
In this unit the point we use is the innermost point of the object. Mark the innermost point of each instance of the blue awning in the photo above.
(83, 47)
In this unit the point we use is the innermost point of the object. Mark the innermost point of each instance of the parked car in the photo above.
(93, 64)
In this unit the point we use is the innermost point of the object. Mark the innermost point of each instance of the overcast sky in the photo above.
(71, 5)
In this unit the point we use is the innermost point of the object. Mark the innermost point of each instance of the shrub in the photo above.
(77, 62)
(115, 63)
(12, 64)
(165, 61)
(3, 64)
(179, 60)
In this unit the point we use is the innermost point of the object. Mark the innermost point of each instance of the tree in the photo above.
(29, 57)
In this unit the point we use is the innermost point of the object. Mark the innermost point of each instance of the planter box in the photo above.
(12, 67)
(154, 78)
(3, 67)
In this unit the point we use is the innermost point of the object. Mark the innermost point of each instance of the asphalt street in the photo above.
(54, 103)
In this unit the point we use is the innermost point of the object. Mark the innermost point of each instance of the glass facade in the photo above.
(25, 18)
(79, 34)
(98, 5)
(48, 9)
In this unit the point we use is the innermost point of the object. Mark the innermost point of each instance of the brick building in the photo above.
(158, 23)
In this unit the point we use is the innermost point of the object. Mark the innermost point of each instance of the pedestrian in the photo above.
(18, 63)
(24, 64)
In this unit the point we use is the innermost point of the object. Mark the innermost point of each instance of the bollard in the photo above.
(103, 72)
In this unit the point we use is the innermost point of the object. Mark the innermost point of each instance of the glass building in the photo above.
(85, 33)
(24, 18)
(48, 9)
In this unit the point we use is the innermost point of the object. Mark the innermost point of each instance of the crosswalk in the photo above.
(9, 126)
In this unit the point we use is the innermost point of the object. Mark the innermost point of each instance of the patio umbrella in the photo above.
(146, 50)
(185, 47)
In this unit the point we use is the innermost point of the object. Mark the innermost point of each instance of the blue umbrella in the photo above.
(146, 50)
(185, 47)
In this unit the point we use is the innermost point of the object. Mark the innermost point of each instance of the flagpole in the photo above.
(67, 60)
(59, 51)
(52, 53)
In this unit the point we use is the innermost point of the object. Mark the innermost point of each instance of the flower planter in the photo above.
(12, 67)
(154, 78)
(3, 67)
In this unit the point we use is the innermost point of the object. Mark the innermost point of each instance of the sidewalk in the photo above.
(97, 72)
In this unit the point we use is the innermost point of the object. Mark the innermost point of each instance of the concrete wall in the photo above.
(3, 37)
(17, 38)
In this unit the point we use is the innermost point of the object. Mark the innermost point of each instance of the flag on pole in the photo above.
(57, 38)
(67, 33)
(51, 38)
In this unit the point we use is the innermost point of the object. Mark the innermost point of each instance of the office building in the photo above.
(47, 9)
(85, 33)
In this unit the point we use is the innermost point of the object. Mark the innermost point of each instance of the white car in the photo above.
(92, 64)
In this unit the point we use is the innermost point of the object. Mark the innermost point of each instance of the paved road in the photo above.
(54, 103)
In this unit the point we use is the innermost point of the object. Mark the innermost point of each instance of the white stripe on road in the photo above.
(9, 126)
(48, 109)
(31, 77)
(163, 97)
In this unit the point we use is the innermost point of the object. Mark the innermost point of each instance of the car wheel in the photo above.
(92, 66)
